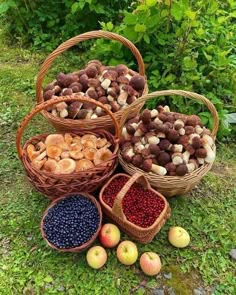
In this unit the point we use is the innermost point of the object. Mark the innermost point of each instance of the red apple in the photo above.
(127, 252)
(109, 235)
(150, 263)
(178, 237)
(96, 257)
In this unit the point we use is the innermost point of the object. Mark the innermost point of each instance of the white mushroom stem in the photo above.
(138, 147)
(209, 139)
(98, 110)
(89, 114)
(158, 169)
(154, 113)
(64, 113)
(200, 161)
(129, 152)
(158, 121)
(125, 134)
(147, 145)
(190, 167)
(177, 158)
(41, 156)
(135, 125)
(122, 98)
(94, 116)
(210, 153)
(54, 113)
(61, 106)
(153, 139)
(138, 132)
(105, 83)
(198, 129)
(181, 131)
(195, 162)
(110, 98)
(176, 148)
(186, 156)
(161, 135)
(143, 140)
(166, 109)
(128, 76)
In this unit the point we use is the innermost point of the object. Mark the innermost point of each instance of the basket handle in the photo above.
(56, 100)
(82, 37)
(117, 206)
(188, 94)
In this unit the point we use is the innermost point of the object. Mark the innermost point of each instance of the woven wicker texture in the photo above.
(173, 185)
(54, 185)
(85, 245)
(105, 122)
(137, 233)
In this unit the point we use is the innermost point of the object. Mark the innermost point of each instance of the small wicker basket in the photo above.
(92, 239)
(62, 124)
(173, 185)
(140, 234)
(55, 185)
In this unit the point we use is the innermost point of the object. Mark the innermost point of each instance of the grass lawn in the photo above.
(29, 266)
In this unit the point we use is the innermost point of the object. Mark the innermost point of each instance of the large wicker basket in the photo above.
(104, 122)
(92, 239)
(56, 185)
(137, 233)
(173, 185)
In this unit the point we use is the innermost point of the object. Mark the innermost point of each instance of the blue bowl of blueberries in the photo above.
(72, 222)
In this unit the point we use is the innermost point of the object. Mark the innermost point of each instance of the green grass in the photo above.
(29, 266)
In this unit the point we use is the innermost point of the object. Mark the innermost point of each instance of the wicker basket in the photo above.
(85, 245)
(140, 234)
(173, 185)
(54, 185)
(104, 122)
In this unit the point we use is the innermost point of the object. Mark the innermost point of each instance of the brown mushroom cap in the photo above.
(189, 130)
(137, 82)
(173, 135)
(102, 156)
(201, 153)
(89, 153)
(55, 139)
(65, 166)
(170, 167)
(163, 158)
(73, 109)
(50, 165)
(190, 149)
(121, 70)
(154, 149)
(83, 164)
(147, 165)
(196, 142)
(164, 144)
(193, 120)
(181, 170)
(183, 140)
(146, 116)
(137, 160)
(48, 94)
(91, 71)
(53, 151)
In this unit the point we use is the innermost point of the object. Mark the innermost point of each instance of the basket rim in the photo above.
(92, 239)
(139, 228)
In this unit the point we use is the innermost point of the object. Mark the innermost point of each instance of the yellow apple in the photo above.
(96, 257)
(178, 237)
(127, 252)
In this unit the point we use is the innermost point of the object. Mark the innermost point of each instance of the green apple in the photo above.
(96, 257)
(178, 237)
(127, 252)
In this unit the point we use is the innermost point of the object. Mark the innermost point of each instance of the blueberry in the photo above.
(71, 222)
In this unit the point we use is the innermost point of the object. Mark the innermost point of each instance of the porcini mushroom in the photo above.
(181, 170)
(148, 166)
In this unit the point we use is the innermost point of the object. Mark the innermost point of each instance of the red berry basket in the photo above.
(123, 208)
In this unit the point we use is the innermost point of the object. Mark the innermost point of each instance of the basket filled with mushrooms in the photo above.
(174, 150)
(62, 163)
(116, 87)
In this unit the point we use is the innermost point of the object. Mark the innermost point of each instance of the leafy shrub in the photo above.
(45, 24)
(185, 45)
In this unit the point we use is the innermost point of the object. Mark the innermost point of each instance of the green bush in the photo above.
(45, 24)
(186, 45)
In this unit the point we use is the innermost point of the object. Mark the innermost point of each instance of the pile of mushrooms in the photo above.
(65, 154)
(114, 87)
(166, 143)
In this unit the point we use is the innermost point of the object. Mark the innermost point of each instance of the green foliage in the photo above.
(45, 24)
(186, 45)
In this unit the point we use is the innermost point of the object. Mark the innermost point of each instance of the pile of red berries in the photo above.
(140, 206)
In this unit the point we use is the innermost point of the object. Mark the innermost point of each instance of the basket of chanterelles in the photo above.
(116, 87)
(131, 203)
(173, 150)
(66, 162)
